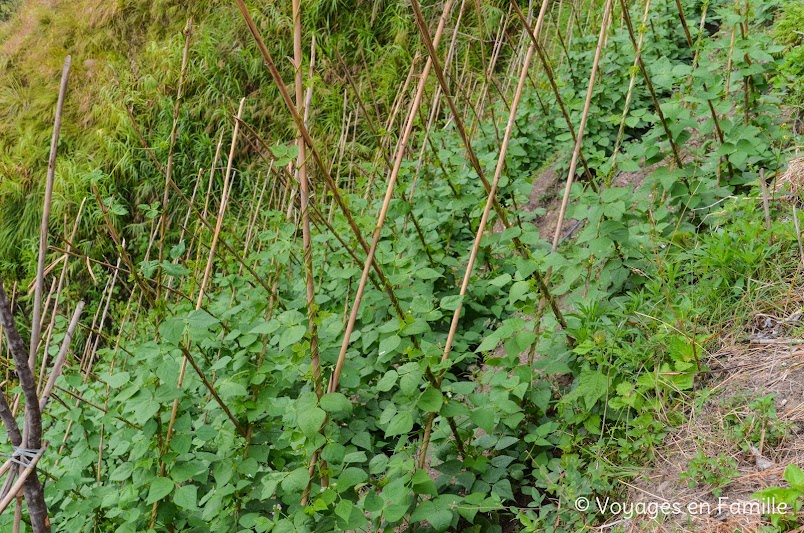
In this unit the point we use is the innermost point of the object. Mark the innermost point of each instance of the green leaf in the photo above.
(499, 281)
(291, 335)
(389, 344)
(223, 472)
(184, 471)
(118, 380)
(427, 273)
(355, 457)
(794, 475)
(343, 510)
(350, 477)
(296, 481)
(122, 472)
(186, 496)
(201, 319)
(335, 402)
(176, 270)
(400, 424)
(431, 400)
(178, 250)
(518, 291)
(333, 453)
(484, 418)
(423, 483)
(160, 487)
(387, 382)
(738, 158)
(439, 518)
(311, 420)
(505, 442)
(264, 328)
(489, 342)
(269, 484)
(410, 378)
(171, 330)
(145, 411)
(592, 386)
(451, 303)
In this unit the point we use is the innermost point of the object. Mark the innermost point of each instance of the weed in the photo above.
(716, 472)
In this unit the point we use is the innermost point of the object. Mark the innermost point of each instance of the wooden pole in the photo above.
(43, 236)
(579, 141)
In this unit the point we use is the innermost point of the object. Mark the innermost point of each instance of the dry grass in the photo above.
(741, 373)
(793, 178)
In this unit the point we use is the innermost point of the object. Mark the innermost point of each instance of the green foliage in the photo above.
(7, 8)
(510, 441)
(758, 425)
(788, 32)
(776, 497)
(716, 472)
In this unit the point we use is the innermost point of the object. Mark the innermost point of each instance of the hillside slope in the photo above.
(369, 316)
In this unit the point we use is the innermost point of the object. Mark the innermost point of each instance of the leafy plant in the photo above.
(716, 472)
(792, 498)
(758, 425)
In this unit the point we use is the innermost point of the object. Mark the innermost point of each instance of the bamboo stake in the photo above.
(253, 221)
(108, 388)
(765, 204)
(88, 343)
(207, 271)
(49, 330)
(684, 22)
(18, 514)
(319, 217)
(456, 316)
(551, 78)
(561, 38)
(316, 156)
(400, 154)
(455, 113)
(60, 286)
(43, 236)
(631, 85)
(656, 105)
(212, 175)
(727, 84)
(103, 316)
(584, 116)
(568, 33)
(488, 78)
(524, 251)
(58, 365)
(221, 240)
(147, 292)
(389, 125)
(188, 30)
(18, 485)
(189, 209)
(701, 27)
(224, 201)
(434, 111)
(304, 198)
(709, 103)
